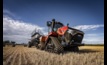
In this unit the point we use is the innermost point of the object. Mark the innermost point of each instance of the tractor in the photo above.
(35, 35)
(60, 38)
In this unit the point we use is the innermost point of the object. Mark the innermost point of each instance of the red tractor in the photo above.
(59, 38)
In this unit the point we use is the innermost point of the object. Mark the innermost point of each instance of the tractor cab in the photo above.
(53, 26)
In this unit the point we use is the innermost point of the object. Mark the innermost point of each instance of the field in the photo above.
(20, 55)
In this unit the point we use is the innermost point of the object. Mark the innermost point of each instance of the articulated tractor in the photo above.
(60, 38)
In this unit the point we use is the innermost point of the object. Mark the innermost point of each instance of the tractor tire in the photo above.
(29, 45)
(41, 46)
(36, 45)
(57, 47)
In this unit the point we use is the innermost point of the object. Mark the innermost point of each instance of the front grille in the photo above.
(77, 38)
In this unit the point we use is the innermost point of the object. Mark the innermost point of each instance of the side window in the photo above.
(57, 26)
(50, 29)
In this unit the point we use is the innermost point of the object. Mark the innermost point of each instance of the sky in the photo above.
(21, 17)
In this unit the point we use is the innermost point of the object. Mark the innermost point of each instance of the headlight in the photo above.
(79, 36)
(70, 31)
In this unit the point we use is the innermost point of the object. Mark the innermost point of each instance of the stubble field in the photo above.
(20, 55)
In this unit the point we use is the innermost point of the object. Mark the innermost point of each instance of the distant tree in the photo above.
(7, 41)
(13, 43)
(25, 45)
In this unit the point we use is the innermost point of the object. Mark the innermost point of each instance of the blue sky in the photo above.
(75, 12)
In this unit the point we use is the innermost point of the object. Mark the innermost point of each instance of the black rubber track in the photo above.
(59, 48)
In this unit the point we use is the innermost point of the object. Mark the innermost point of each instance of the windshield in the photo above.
(49, 29)
(57, 26)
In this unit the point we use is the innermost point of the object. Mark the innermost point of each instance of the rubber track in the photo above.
(57, 44)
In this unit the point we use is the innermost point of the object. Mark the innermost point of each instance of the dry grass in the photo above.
(20, 55)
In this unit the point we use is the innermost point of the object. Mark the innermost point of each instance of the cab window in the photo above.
(57, 26)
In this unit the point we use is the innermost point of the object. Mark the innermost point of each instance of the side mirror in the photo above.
(67, 24)
(49, 23)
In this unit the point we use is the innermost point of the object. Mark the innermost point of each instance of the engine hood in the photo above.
(74, 31)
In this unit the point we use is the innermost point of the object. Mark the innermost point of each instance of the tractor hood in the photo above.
(74, 31)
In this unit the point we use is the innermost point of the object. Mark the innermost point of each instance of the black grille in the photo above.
(77, 38)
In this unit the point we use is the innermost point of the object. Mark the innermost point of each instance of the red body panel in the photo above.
(62, 30)
(53, 34)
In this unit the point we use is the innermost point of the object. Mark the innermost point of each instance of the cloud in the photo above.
(5, 11)
(19, 31)
(16, 30)
(88, 27)
(9, 13)
(94, 38)
(91, 38)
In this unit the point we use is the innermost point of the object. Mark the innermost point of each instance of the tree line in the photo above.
(7, 42)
